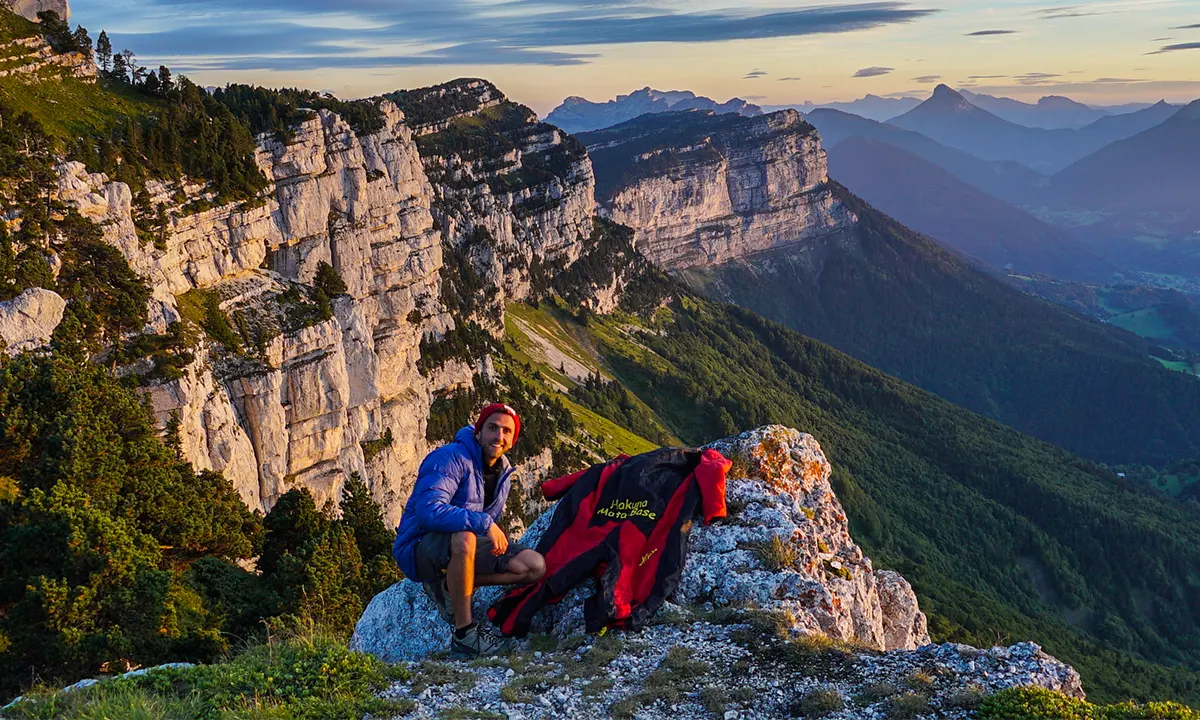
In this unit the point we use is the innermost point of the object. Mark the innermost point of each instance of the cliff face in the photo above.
(701, 189)
(513, 195)
(32, 59)
(298, 411)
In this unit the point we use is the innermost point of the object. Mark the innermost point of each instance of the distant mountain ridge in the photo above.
(1051, 112)
(948, 117)
(872, 107)
(931, 201)
(577, 114)
(1005, 179)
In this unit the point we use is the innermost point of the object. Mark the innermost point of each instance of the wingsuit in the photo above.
(624, 522)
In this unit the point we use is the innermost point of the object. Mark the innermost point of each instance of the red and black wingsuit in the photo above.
(624, 522)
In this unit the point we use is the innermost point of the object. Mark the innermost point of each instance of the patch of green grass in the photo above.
(69, 108)
(819, 703)
(596, 687)
(908, 705)
(775, 554)
(677, 672)
(436, 673)
(459, 712)
(604, 650)
(297, 679)
(523, 689)
(543, 643)
(1034, 703)
(714, 699)
(202, 308)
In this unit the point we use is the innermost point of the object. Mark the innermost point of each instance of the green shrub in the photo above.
(820, 703)
(300, 678)
(909, 705)
(775, 554)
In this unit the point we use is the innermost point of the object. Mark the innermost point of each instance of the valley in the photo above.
(236, 319)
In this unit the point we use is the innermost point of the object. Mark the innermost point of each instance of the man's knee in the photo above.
(462, 543)
(535, 565)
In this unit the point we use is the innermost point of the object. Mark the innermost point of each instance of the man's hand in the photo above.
(499, 541)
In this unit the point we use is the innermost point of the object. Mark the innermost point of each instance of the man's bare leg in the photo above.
(460, 576)
(528, 566)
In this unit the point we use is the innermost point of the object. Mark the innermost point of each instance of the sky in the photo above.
(771, 52)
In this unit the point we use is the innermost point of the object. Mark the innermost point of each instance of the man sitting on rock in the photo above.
(448, 538)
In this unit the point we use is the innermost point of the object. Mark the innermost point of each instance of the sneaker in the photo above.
(440, 595)
(478, 641)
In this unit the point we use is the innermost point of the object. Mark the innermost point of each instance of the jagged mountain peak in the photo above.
(944, 95)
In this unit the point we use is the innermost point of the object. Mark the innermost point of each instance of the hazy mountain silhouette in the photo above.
(1154, 170)
(933, 202)
(951, 120)
(1006, 179)
(871, 107)
(577, 114)
(1050, 112)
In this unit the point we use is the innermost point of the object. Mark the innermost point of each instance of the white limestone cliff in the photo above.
(298, 413)
(745, 187)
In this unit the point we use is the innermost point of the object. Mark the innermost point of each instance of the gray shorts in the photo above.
(433, 555)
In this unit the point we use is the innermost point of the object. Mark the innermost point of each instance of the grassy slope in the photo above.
(962, 505)
(66, 107)
(611, 437)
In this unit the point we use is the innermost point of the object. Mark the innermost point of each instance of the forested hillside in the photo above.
(1003, 536)
(897, 301)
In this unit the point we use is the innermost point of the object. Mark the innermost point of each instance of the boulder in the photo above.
(785, 546)
(30, 8)
(28, 320)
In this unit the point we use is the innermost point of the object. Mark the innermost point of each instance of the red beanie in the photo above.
(499, 408)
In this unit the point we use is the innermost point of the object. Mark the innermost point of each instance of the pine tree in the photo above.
(83, 41)
(120, 69)
(165, 82)
(104, 51)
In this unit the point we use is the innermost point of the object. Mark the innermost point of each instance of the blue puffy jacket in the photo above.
(448, 497)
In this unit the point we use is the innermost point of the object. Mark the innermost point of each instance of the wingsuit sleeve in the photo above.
(437, 481)
(556, 488)
(710, 476)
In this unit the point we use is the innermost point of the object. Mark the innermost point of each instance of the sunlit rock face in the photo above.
(701, 189)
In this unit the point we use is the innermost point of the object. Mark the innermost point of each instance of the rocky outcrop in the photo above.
(783, 555)
(30, 8)
(32, 59)
(28, 320)
(514, 195)
(785, 547)
(701, 189)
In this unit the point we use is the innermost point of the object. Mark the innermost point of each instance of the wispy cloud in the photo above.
(1195, 26)
(1066, 11)
(1173, 48)
(1161, 39)
(308, 34)
(754, 75)
(982, 33)
(986, 77)
(872, 71)
(788, 79)
(1037, 78)
(927, 78)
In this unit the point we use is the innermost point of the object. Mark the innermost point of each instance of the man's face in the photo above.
(496, 436)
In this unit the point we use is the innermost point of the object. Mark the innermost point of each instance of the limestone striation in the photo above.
(32, 59)
(700, 188)
(513, 195)
(298, 409)
(779, 578)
